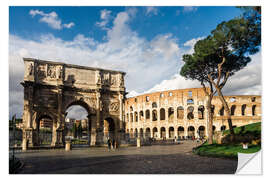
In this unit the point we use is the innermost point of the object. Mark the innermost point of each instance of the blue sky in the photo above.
(184, 23)
(145, 42)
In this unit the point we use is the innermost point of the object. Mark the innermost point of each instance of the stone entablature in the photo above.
(56, 73)
(186, 108)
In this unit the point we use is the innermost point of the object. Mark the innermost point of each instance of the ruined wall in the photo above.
(185, 113)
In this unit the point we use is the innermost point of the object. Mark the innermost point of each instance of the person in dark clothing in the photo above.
(109, 143)
(113, 144)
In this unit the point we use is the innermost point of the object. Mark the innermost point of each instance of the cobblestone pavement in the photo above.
(158, 159)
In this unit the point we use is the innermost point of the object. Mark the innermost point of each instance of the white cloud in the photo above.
(51, 19)
(191, 43)
(190, 9)
(69, 25)
(105, 16)
(245, 82)
(146, 62)
(150, 10)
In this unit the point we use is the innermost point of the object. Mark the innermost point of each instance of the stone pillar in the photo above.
(176, 131)
(121, 111)
(138, 142)
(166, 115)
(99, 130)
(167, 132)
(98, 109)
(195, 112)
(151, 115)
(58, 124)
(175, 115)
(93, 131)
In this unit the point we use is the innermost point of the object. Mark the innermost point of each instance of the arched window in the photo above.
(136, 132)
(232, 99)
(191, 131)
(201, 131)
(162, 114)
(162, 132)
(190, 101)
(254, 110)
(171, 132)
(127, 117)
(243, 109)
(147, 133)
(147, 114)
(154, 115)
(136, 116)
(170, 113)
(233, 110)
(155, 132)
(223, 128)
(180, 131)
(154, 105)
(201, 112)
(190, 114)
(180, 112)
(141, 115)
(131, 108)
(221, 111)
(253, 99)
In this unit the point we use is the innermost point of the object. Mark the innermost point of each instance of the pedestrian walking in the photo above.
(109, 143)
(113, 144)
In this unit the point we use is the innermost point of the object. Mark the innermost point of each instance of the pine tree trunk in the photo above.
(210, 121)
(228, 112)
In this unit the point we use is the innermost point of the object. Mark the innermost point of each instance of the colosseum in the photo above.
(182, 113)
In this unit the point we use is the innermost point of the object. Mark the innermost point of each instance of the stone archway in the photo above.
(109, 128)
(54, 86)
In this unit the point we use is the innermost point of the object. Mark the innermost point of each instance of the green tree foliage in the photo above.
(221, 54)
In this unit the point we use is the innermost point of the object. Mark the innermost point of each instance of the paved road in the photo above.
(158, 159)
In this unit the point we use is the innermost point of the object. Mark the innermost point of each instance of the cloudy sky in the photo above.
(145, 42)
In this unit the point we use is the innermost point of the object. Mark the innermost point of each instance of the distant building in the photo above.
(46, 123)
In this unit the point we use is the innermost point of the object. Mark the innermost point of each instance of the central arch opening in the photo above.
(77, 124)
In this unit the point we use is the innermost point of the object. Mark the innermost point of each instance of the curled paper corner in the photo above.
(249, 163)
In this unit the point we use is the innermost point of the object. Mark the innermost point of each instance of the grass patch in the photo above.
(248, 133)
(254, 128)
(225, 151)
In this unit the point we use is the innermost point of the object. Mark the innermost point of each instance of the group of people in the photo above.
(111, 144)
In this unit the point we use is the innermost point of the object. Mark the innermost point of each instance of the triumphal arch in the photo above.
(50, 88)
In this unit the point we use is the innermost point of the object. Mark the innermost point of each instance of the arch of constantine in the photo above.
(181, 113)
(50, 88)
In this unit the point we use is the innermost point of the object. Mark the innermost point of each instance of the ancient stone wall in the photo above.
(183, 113)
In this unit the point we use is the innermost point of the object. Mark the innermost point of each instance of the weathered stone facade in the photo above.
(183, 113)
(50, 88)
